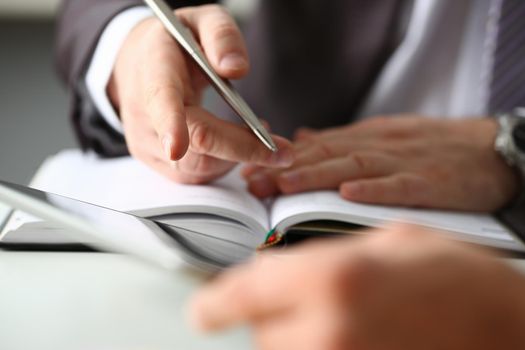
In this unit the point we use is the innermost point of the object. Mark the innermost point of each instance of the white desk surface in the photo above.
(98, 301)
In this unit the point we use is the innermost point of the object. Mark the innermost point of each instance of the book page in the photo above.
(125, 184)
(292, 209)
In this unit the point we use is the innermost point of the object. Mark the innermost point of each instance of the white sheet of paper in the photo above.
(127, 185)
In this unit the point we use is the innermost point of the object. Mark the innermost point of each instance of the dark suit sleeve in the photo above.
(80, 24)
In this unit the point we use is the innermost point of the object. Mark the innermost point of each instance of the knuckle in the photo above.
(326, 149)
(225, 31)
(202, 137)
(362, 162)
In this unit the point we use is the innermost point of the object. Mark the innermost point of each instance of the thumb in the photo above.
(220, 38)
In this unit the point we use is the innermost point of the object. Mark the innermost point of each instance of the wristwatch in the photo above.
(510, 141)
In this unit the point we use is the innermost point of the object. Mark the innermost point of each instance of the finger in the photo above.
(263, 184)
(191, 169)
(303, 134)
(242, 295)
(331, 173)
(392, 126)
(311, 173)
(324, 134)
(263, 181)
(164, 96)
(250, 169)
(221, 139)
(313, 151)
(220, 38)
(399, 189)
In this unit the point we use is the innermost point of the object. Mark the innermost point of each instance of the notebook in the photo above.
(226, 211)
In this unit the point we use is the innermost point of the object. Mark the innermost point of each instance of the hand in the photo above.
(398, 289)
(402, 160)
(157, 91)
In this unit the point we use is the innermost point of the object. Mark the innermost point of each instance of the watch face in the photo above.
(518, 135)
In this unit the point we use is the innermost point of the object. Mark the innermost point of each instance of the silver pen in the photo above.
(186, 40)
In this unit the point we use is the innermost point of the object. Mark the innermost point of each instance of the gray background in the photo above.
(33, 104)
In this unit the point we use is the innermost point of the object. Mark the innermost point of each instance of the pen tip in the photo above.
(272, 146)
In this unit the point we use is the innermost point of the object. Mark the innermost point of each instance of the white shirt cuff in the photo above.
(105, 56)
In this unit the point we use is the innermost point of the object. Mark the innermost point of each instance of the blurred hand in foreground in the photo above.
(400, 288)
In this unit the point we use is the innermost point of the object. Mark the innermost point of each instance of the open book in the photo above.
(234, 219)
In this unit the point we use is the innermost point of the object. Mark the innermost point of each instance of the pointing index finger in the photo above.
(228, 141)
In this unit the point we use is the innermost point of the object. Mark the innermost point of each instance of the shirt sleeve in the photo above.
(104, 58)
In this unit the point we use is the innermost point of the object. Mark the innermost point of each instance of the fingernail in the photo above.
(233, 61)
(282, 158)
(167, 144)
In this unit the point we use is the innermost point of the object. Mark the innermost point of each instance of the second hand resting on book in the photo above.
(405, 160)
